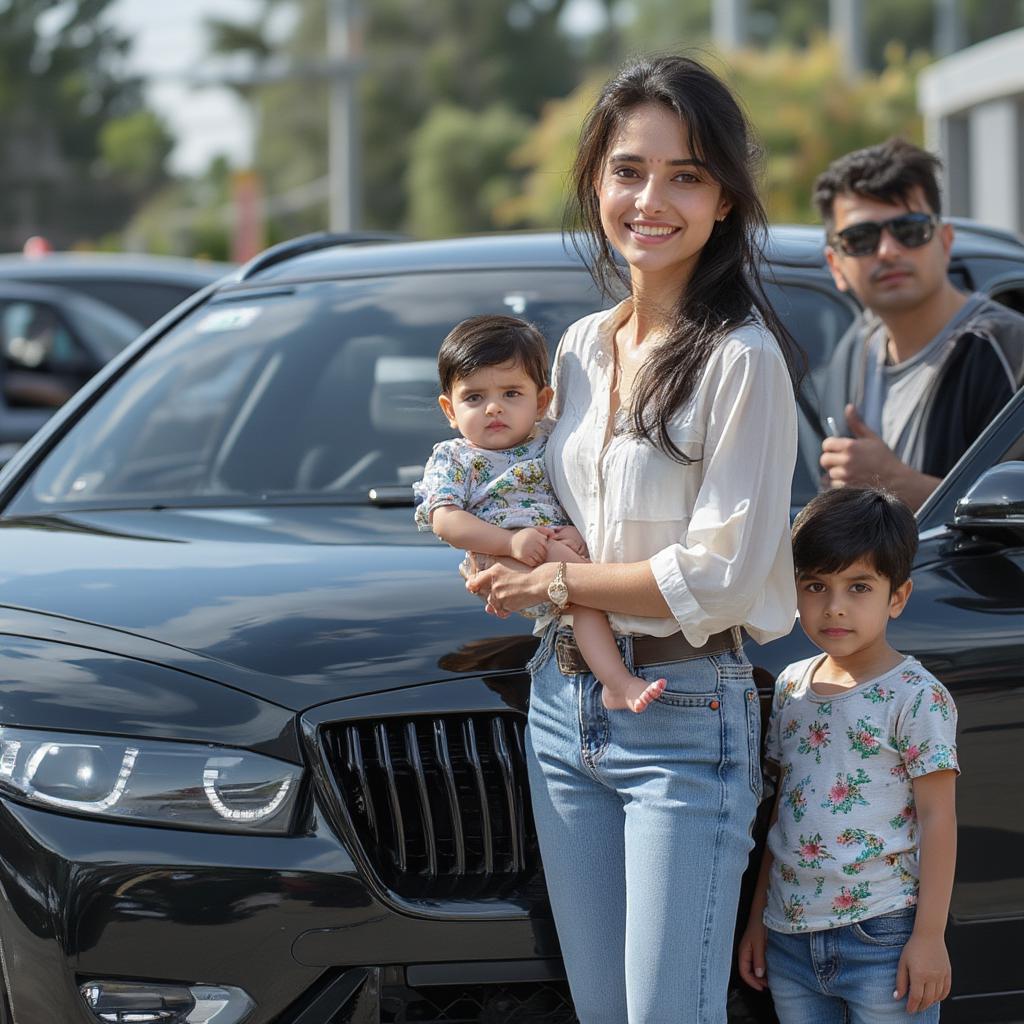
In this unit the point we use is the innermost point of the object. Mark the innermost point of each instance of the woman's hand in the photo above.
(509, 586)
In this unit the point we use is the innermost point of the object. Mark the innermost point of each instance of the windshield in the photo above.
(316, 391)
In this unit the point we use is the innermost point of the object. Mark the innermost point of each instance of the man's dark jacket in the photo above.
(981, 374)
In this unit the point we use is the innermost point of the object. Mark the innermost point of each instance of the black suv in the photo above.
(261, 756)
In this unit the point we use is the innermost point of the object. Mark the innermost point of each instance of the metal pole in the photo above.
(949, 28)
(846, 26)
(344, 47)
(729, 24)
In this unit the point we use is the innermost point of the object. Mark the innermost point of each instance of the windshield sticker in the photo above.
(228, 319)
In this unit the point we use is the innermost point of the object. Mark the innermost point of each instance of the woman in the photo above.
(673, 453)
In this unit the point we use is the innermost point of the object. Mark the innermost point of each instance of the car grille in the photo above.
(479, 1004)
(439, 804)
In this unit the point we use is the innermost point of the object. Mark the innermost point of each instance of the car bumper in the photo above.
(287, 920)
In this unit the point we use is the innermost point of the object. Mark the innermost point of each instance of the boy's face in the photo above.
(845, 613)
(495, 407)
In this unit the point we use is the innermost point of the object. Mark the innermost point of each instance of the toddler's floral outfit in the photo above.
(507, 487)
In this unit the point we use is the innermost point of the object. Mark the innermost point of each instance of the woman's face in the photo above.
(658, 202)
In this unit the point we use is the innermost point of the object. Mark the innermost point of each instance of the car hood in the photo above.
(298, 605)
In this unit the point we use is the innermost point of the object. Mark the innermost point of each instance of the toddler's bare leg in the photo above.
(594, 637)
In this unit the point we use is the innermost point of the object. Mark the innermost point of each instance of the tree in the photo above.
(459, 171)
(66, 107)
(471, 54)
(805, 112)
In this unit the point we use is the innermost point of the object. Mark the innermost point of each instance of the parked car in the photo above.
(51, 342)
(143, 287)
(261, 755)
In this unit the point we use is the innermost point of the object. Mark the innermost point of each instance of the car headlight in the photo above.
(186, 785)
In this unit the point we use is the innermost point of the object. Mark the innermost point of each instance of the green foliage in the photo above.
(459, 170)
(134, 148)
(472, 54)
(805, 113)
(62, 81)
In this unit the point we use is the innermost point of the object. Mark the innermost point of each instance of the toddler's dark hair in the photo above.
(842, 526)
(490, 340)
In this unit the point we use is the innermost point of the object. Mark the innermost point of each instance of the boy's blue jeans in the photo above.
(644, 827)
(843, 975)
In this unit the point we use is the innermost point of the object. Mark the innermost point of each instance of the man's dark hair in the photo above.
(491, 340)
(887, 172)
(843, 526)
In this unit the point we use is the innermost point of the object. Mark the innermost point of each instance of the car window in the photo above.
(34, 337)
(105, 329)
(1010, 294)
(817, 316)
(326, 390)
(144, 301)
(321, 392)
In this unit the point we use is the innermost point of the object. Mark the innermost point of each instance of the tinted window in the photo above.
(321, 392)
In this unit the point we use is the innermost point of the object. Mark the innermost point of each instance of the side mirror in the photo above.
(995, 502)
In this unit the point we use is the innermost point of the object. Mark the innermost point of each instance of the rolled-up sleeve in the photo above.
(733, 566)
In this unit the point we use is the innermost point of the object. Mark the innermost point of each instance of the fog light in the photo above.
(138, 1002)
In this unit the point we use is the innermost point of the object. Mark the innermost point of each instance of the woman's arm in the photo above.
(627, 588)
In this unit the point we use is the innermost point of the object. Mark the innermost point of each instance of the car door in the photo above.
(965, 622)
(44, 360)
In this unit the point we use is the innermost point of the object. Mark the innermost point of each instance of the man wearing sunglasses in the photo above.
(924, 368)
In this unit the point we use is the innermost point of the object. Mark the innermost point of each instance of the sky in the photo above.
(170, 49)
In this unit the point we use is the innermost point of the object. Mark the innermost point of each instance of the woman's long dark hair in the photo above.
(725, 289)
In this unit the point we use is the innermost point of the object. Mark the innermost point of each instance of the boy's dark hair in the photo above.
(842, 526)
(490, 340)
(886, 172)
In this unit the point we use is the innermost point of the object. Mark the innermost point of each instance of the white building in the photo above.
(973, 107)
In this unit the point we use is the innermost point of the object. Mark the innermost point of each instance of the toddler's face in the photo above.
(847, 612)
(495, 407)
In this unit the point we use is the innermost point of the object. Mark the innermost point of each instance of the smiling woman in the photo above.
(672, 454)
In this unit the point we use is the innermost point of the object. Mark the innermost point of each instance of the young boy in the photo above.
(851, 901)
(487, 491)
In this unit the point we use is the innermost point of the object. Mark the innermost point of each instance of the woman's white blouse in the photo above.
(716, 532)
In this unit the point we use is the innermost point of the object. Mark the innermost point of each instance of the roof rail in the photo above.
(309, 243)
(988, 230)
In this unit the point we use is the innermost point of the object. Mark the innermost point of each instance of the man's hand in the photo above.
(750, 956)
(924, 972)
(529, 546)
(571, 538)
(863, 460)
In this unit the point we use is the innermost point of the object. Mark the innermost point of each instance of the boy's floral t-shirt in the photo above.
(845, 841)
(508, 487)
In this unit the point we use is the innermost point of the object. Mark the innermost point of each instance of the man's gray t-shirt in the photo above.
(894, 394)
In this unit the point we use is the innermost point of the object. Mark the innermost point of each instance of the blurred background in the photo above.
(214, 127)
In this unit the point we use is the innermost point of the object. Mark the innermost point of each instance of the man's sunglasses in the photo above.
(911, 230)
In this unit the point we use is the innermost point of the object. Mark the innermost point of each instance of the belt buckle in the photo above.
(567, 655)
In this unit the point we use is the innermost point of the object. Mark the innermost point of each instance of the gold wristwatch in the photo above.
(558, 591)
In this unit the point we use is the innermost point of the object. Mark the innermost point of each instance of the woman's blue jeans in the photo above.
(644, 828)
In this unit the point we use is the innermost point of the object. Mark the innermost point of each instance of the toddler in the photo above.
(851, 901)
(487, 491)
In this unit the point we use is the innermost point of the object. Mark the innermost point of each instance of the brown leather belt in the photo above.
(650, 650)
